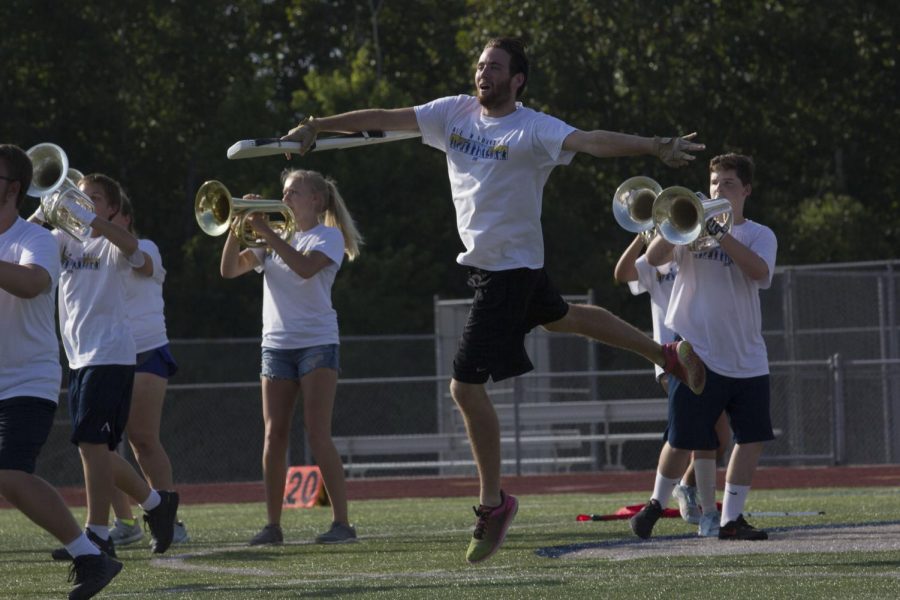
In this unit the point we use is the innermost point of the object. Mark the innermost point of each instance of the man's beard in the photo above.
(496, 96)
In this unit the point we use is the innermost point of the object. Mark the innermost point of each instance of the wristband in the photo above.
(137, 259)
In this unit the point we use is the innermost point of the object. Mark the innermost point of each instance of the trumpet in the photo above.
(217, 212)
(54, 182)
(633, 205)
(681, 215)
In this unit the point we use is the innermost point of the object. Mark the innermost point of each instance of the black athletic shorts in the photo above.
(25, 423)
(507, 305)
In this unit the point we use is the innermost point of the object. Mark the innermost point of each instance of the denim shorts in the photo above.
(298, 362)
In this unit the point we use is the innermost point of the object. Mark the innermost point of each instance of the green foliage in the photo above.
(152, 93)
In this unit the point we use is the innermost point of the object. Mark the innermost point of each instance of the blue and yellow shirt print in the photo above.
(477, 146)
(84, 263)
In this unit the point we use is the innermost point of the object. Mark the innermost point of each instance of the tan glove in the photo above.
(674, 151)
(305, 133)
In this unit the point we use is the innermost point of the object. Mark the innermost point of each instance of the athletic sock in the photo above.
(127, 522)
(733, 501)
(101, 531)
(152, 501)
(705, 472)
(662, 489)
(81, 546)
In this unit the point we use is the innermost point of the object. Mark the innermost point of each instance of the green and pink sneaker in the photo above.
(490, 528)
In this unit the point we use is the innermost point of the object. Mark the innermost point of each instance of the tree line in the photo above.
(153, 92)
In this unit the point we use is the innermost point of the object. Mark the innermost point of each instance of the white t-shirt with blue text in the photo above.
(715, 306)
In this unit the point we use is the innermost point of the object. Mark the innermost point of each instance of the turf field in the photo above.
(414, 548)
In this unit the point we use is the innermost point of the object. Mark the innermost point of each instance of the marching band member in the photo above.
(715, 302)
(300, 337)
(155, 365)
(30, 375)
(101, 359)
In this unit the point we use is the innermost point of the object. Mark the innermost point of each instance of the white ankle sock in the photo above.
(81, 546)
(662, 489)
(152, 501)
(101, 531)
(733, 501)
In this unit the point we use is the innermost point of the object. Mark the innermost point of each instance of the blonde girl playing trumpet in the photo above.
(300, 344)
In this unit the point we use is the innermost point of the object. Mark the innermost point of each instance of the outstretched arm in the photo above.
(370, 119)
(605, 144)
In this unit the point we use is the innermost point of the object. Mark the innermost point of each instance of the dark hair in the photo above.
(18, 167)
(739, 163)
(518, 60)
(112, 188)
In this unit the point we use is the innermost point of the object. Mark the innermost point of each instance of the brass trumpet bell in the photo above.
(52, 182)
(633, 204)
(217, 211)
(681, 215)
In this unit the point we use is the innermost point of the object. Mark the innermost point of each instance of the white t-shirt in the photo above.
(297, 312)
(92, 317)
(144, 302)
(656, 281)
(498, 168)
(29, 351)
(715, 306)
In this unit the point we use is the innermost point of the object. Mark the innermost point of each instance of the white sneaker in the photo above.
(709, 524)
(123, 535)
(180, 535)
(687, 503)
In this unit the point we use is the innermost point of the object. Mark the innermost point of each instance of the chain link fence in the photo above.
(831, 330)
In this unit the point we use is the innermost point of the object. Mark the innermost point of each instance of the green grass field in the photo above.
(415, 549)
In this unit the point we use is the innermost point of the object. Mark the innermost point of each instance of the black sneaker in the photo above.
(106, 546)
(161, 521)
(91, 573)
(739, 529)
(643, 522)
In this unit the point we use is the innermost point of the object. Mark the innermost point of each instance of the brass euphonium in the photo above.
(217, 212)
(681, 215)
(633, 205)
(52, 182)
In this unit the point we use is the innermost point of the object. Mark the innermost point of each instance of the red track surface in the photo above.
(594, 483)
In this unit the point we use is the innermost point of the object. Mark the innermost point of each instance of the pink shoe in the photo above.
(490, 529)
(683, 363)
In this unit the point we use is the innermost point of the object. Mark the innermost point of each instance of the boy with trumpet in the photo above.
(101, 353)
(30, 375)
(715, 304)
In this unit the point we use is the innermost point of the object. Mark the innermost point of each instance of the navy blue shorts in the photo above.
(158, 361)
(507, 305)
(25, 423)
(99, 401)
(692, 418)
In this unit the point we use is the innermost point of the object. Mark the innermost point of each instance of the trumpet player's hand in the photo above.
(305, 133)
(674, 151)
(715, 229)
(260, 224)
